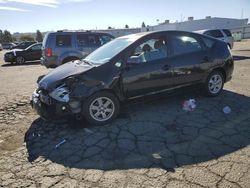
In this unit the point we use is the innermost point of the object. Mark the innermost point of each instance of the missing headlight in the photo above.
(61, 93)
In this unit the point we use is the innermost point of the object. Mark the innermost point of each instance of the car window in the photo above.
(108, 51)
(36, 47)
(214, 33)
(227, 32)
(208, 42)
(93, 40)
(104, 39)
(185, 44)
(151, 50)
(82, 39)
(87, 40)
(22, 44)
(63, 40)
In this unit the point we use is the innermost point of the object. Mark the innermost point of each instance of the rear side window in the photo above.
(87, 40)
(185, 44)
(93, 40)
(82, 40)
(227, 32)
(63, 40)
(36, 47)
(214, 33)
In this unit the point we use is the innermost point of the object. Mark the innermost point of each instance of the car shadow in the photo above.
(239, 57)
(150, 132)
(26, 63)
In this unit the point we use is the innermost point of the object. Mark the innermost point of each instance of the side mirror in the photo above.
(134, 60)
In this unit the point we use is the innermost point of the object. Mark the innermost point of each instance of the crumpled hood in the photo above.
(49, 81)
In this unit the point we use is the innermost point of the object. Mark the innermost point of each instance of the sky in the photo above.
(52, 15)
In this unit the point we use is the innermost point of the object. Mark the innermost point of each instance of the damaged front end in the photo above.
(56, 96)
(55, 104)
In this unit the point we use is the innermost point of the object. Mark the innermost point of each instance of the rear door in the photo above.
(34, 52)
(63, 45)
(87, 43)
(188, 57)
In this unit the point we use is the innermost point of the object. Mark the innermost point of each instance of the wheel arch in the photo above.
(69, 58)
(220, 69)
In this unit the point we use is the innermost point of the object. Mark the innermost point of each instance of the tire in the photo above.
(101, 108)
(214, 84)
(20, 60)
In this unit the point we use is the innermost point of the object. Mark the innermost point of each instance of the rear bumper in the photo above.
(47, 63)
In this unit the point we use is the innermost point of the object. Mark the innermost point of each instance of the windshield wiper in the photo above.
(87, 62)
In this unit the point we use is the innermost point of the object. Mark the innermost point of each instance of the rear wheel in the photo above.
(214, 83)
(101, 108)
(20, 60)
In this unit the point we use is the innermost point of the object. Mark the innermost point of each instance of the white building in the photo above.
(235, 25)
(207, 23)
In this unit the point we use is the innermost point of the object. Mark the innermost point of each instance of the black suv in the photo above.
(64, 46)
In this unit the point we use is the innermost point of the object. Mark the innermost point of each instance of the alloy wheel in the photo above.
(215, 83)
(20, 60)
(102, 109)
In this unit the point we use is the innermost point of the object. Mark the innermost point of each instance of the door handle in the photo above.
(165, 67)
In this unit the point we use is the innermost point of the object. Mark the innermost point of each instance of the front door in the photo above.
(34, 52)
(147, 68)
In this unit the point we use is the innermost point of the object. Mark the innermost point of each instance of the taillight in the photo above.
(48, 52)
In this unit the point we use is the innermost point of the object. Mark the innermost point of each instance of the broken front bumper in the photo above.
(48, 108)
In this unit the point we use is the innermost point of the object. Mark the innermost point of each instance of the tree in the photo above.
(1, 36)
(6, 36)
(39, 36)
(26, 38)
(109, 27)
(143, 24)
(14, 39)
(126, 26)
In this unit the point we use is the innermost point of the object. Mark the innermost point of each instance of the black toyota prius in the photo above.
(132, 66)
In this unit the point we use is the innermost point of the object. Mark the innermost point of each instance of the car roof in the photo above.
(82, 32)
(142, 34)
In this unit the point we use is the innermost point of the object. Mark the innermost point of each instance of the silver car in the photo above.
(221, 34)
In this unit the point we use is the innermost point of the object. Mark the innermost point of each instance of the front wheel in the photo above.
(101, 108)
(214, 83)
(20, 60)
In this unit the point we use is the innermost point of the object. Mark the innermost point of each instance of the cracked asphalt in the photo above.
(153, 142)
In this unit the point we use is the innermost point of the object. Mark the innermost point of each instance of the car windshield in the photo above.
(106, 52)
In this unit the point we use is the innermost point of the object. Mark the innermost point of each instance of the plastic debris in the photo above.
(227, 110)
(189, 105)
(88, 130)
(60, 143)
